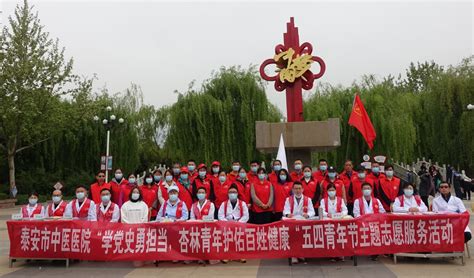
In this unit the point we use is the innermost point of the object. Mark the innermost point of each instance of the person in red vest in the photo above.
(282, 190)
(163, 187)
(98, 186)
(297, 174)
(107, 211)
(367, 204)
(310, 187)
(388, 189)
(375, 176)
(192, 170)
(332, 177)
(252, 175)
(176, 170)
(346, 177)
(81, 208)
(174, 208)
(243, 187)
(355, 189)
(185, 188)
(235, 171)
(262, 198)
(157, 177)
(233, 209)
(320, 175)
(273, 176)
(203, 209)
(150, 195)
(116, 186)
(203, 180)
(215, 169)
(32, 208)
(58, 206)
(126, 189)
(221, 189)
(408, 201)
(333, 204)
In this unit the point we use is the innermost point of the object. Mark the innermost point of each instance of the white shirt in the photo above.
(115, 213)
(367, 207)
(453, 205)
(91, 214)
(212, 209)
(233, 214)
(134, 212)
(332, 207)
(54, 207)
(298, 207)
(171, 209)
(30, 210)
(408, 202)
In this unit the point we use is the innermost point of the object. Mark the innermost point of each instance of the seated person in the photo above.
(367, 204)
(32, 208)
(233, 209)
(81, 208)
(333, 204)
(298, 205)
(107, 211)
(203, 208)
(58, 206)
(445, 203)
(408, 202)
(173, 208)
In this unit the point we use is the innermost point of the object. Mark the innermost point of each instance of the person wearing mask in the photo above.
(150, 195)
(445, 203)
(243, 186)
(355, 189)
(282, 190)
(32, 208)
(375, 174)
(58, 206)
(116, 185)
(81, 208)
(252, 175)
(346, 177)
(427, 185)
(202, 209)
(310, 187)
(297, 174)
(408, 201)
(389, 188)
(221, 189)
(331, 177)
(193, 173)
(135, 210)
(98, 186)
(203, 180)
(298, 206)
(321, 174)
(332, 204)
(235, 171)
(157, 177)
(367, 204)
(176, 170)
(126, 189)
(173, 209)
(215, 169)
(273, 176)
(107, 211)
(262, 198)
(185, 187)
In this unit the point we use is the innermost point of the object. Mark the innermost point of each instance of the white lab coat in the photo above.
(367, 207)
(211, 212)
(233, 214)
(332, 207)
(454, 205)
(409, 202)
(91, 214)
(298, 207)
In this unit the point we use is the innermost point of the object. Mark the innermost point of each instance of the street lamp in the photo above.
(108, 123)
(470, 107)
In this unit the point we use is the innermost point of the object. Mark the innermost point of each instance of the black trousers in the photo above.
(277, 216)
(467, 236)
(425, 200)
(262, 217)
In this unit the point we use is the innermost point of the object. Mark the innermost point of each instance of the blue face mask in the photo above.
(173, 197)
(215, 170)
(118, 176)
(307, 174)
(169, 178)
(332, 175)
(131, 180)
(261, 177)
(148, 180)
(191, 168)
(254, 169)
(233, 196)
(323, 167)
(298, 166)
(235, 168)
(242, 175)
(376, 170)
(222, 178)
(202, 174)
(201, 196)
(283, 177)
(277, 168)
(157, 178)
(176, 171)
(184, 176)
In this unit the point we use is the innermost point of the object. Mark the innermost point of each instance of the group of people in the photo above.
(194, 192)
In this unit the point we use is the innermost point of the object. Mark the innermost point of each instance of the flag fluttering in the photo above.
(360, 120)
(281, 155)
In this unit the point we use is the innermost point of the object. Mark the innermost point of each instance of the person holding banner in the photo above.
(81, 208)
(367, 204)
(57, 207)
(262, 199)
(409, 202)
(282, 190)
(332, 204)
(32, 208)
(173, 209)
(203, 209)
(107, 211)
(445, 203)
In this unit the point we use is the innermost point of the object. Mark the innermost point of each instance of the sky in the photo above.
(163, 46)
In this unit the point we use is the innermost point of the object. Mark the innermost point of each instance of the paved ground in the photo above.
(253, 268)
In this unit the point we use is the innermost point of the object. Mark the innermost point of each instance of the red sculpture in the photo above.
(293, 62)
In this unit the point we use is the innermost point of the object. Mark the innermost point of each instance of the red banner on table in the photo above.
(368, 235)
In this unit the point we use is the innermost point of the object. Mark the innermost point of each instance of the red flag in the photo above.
(360, 120)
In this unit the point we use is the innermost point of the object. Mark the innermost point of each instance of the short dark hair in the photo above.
(201, 187)
(388, 166)
(366, 183)
(330, 185)
(276, 160)
(261, 169)
(81, 186)
(105, 189)
(192, 160)
(33, 193)
(233, 186)
(307, 167)
(297, 183)
(323, 160)
(254, 162)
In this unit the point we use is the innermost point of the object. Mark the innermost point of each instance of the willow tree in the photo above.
(218, 121)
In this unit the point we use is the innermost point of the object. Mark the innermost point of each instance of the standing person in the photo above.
(427, 186)
(203, 180)
(389, 188)
(235, 171)
(243, 186)
(221, 189)
(185, 188)
(262, 199)
(116, 185)
(174, 208)
(135, 210)
(466, 185)
(445, 203)
(273, 176)
(202, 209)
(98, 186)
(321, 174)
(192, 170)
(107, 211)
(127, 188)
(331, 177)
(367, 204)
(297, 174)
(282, 190)
(157, 177)
(311, 188)
(150, 195)
(375, 175)
(215, 169)
(332, 204)
(81, 208)
(176, 170)
(355, 190)
(32, 208)
(346, 177)
(252, 175)
(58, 206)
(408, 201)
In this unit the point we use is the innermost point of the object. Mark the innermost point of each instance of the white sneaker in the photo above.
(294, 260)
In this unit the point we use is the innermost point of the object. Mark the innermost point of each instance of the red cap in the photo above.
(216, 163)
(202, 165)
(184, 169)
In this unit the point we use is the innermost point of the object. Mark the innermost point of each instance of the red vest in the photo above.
(198, 214)
(84, 210)
(37, 210)
(305, 204)
(239, 202)
(309, 189)
(179, 210)
(206, 183)
(375, 205)
(280, 193)
(337, 182)
(107, 216)
(338, 204)
(59, 210)
(164, 191)
(262, 191)
(221, 192)
(402, 200)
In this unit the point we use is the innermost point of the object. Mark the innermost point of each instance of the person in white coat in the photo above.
(32, 208)
(445, 203)
(81, 208)
(298, 205)
(173, 208)
(409, 202)
(203, 209)
(367, 204)
(333, 205)
(135, 210)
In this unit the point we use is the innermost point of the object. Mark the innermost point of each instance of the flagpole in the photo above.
(349, 131)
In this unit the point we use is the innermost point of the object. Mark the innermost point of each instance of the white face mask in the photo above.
(367, 192)
(56, 199)
(80, 195)
(135, 196)
(408, 192)
(332, 193)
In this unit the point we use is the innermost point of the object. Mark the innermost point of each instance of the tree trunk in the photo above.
(11, 172)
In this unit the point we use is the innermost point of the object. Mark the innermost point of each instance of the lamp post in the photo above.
(470, 107)
(109, 121)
